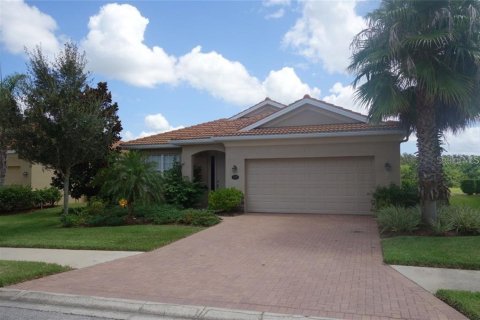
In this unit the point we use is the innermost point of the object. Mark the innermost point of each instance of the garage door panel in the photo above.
(311, 185)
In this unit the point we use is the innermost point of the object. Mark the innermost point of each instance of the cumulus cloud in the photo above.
(154, 124)
(324, 32)
(343, 96)
(285, 86)
(22, 25)
(465, 142)
(115, 47)
(225, 79)
(276, 15)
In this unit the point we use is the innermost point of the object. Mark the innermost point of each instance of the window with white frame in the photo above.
(164, 162)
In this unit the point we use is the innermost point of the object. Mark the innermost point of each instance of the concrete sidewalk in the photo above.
(73, 258)
(433, 279)
(128, 309)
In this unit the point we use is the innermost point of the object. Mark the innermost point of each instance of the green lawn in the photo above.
(446, 252)
(18, 271)
(42, 229)
(466, 302)
(463, 199)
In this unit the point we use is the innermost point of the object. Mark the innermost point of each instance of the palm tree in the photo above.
(419, 61)
(9, 117)
(131, 177)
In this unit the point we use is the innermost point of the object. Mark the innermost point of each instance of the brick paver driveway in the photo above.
(317, 265)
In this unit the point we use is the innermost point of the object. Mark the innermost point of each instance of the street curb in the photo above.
(130, 309)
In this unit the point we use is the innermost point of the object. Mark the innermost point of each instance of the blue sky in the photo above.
(177, 63)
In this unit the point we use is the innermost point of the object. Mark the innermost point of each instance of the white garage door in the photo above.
(310, 185)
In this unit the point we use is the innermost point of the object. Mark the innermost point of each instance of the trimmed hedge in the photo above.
(17, 198)
(470, 186)
(225, 200)
(405, 196)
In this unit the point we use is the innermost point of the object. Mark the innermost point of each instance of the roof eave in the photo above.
(149, 146)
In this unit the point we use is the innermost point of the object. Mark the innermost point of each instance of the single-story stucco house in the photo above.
(306, 157)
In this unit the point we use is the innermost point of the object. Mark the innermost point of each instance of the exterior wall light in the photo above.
(388, 166)
(234, 169)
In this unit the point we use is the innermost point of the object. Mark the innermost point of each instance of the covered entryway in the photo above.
(310, 185)
(209, 168)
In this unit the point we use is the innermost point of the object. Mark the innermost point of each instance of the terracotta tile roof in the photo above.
(343, 127)
(225, 127)
(221, 127)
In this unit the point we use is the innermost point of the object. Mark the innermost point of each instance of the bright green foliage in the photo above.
(43, 229)
(227, 200)
(442, 252)
(132, 177)
(468, 186)
(18, 271)
(398, 220)
(467, 302)
(178, 190)
(405, 196)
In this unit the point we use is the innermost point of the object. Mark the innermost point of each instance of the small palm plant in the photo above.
(131, 179)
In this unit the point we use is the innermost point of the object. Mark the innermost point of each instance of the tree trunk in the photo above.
(3, 166)
(66, 191)
(430, 169)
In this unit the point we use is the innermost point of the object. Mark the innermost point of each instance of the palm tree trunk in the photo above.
(430, 170)
(3, 166)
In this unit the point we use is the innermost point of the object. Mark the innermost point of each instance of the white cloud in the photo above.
(270, 3)
(285, 86)
(343, 96)
(465, 142)
(222, 78)
(155, 124)
(22, 25)
(276, 15)
(115, 47)
(324, 32)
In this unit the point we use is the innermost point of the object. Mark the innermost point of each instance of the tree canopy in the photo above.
(419, 61)
(63, 123)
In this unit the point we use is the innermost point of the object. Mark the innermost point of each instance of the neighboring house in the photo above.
(22, 172)
(307, 157)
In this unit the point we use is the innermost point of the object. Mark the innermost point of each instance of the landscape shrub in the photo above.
(96, 214)
(225, 200)
(468, 186)
(17, 198)
(405, 196)
(14, 198)
(199, 218)
(47, 197)
(162, 214)
(178, 190)
(461, 219)
(399, 219)
(477, 187)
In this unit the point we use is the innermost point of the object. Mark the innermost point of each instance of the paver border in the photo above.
(129, 309)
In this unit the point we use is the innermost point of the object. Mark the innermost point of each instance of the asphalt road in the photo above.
(12, 313)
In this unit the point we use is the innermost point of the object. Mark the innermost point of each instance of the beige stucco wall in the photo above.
(383, 149)
(19, 172)
(41, 177)
(308, 115)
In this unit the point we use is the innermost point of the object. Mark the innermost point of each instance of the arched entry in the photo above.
(209, 167)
